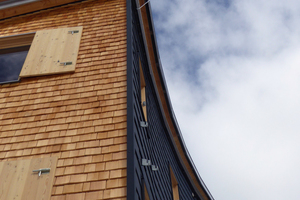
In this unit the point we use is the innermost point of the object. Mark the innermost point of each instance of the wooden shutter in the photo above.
(174, 185)
(50, 49)
(18, 182)
(146, 193)
(143, 91)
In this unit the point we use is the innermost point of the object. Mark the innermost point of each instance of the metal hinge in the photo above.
(144, 124)
(146, 162)
(42, 171)
(66, 63)
(74, 31)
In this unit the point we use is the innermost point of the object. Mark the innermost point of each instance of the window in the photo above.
(11, 62)
(13, 51)
(143, 91)
(51, 52)
(18, 181)
(174, 185)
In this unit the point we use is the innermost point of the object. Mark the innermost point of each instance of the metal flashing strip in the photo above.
(12, 41)
(14, 3)
(6, 82)
(130, 120)
(22, 34)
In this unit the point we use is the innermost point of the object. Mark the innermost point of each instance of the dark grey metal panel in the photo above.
(154, 142)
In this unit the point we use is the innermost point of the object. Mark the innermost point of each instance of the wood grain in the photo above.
(174, 185)
(143, 90)
(49, 49)
(18, 182)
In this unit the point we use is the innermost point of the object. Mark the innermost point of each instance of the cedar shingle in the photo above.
(62, 180)
(116, 183)
(79, 196)
(93, 176)
(113, 193)
(60, 197)
(94, 195)
(117, 173)
(74, 169)
(115, 164)
(98, 185)
(59, 190)
(90, 168)
(78, 178)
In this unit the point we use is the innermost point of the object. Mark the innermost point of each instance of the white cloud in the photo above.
(233, 77)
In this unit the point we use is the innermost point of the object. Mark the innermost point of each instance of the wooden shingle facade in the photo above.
(105, 129)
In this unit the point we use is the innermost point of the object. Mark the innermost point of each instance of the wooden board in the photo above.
(143, 90)
(174, 185)
(18, 182)
(51, 48)
(146, 193)
(143, 99)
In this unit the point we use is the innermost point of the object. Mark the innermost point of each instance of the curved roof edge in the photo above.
(166, 103)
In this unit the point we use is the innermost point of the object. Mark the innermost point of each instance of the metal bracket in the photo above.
(42, 171)
(75, 31)
(144, 124)
(154, 168)
(146, 162)
(66, 63)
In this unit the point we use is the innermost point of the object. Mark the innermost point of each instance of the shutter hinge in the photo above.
(42, 171)
(66, 63)
(74, 31)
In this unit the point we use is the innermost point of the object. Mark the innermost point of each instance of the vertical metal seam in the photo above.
(130, 134)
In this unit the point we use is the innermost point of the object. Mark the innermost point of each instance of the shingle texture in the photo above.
(78, 117)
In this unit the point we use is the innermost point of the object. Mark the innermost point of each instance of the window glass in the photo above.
(11, 62)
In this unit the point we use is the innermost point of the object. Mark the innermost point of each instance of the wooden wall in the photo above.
(79, 117)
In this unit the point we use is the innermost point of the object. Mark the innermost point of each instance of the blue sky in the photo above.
(232, 69)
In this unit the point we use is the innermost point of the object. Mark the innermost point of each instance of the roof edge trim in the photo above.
(14, 3)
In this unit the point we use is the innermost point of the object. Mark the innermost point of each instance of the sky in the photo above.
(233, 72)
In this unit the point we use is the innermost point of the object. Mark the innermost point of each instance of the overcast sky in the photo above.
(233, 73)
